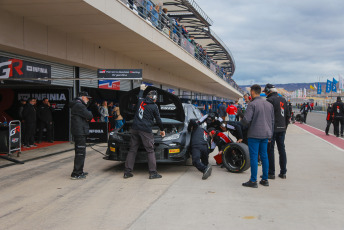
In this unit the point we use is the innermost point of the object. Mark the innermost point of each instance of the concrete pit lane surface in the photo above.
(41, 195)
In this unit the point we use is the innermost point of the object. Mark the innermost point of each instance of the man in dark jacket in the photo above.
(141, 132)
(80, 129)
(222, 111)
(200, 141)
(29, 120)
(338, 115)
(282, 115)
(305, 108)
(45, 120)
(329, 118)
(259, 117)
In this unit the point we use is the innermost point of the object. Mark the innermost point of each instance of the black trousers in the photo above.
(328, 125)
(30, 131)
(279, 138)
(147, 139)
(305, 116)
(80, 154)
(200, 156)
(336, 122)
(49, 127)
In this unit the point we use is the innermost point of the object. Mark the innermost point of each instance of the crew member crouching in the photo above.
(200, 148)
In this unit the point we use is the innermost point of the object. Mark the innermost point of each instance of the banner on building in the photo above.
(188, 46)
(13, 68)
(109, 84)
(125, 74)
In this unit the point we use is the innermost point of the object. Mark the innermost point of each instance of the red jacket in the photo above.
(231, 110)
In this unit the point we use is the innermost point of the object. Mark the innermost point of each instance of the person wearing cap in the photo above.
(80, 129)
(200, 142)
(141, 132)
(338, 116)
(282, 115)
(259, 117)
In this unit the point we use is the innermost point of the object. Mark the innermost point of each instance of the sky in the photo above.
(281, 41)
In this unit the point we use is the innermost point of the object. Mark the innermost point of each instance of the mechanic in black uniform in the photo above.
(141, 132)
(200, 141)
(45, 120)
(338, 115)
(29, 120)
(212, 120)
(220, 139)
(282, 115)
(238, 130)
(329, 118)
(80, 129)
(305, 108)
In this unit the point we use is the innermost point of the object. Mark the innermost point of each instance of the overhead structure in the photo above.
(198, 25)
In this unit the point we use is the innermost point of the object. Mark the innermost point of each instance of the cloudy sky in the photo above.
(281, 41)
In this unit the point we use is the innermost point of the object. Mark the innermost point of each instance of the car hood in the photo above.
(169, 104)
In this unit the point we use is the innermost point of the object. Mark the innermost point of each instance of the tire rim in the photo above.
(235, 158)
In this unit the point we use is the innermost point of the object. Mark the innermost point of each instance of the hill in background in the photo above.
(293, 86)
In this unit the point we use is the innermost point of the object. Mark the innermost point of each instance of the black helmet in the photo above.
(153, 94)
(212, 116)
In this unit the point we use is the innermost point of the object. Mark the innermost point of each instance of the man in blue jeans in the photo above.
(259, 117)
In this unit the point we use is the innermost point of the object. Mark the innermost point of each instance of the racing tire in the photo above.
(236, 157)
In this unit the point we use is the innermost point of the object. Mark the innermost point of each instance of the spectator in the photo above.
(104, 113)
(140, 5)
(259, 116)
(155, 16)
(119, 118)
(20, 109)
(111, 107)
(29, 120)
(222, 111)
(232, 112)
(45, 120)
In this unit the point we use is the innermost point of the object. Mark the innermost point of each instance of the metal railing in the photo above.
(171, 28)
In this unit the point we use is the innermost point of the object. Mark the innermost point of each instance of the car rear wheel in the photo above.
(236, 157)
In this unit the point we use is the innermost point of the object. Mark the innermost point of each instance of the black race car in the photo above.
(175, 116)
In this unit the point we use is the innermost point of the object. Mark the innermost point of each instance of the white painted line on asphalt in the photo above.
(335, 146)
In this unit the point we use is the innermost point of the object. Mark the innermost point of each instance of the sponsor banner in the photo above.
(187, 45)
(15, 136)
(12, 68)
(109, 84)
(98, 132)
(128, 74)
